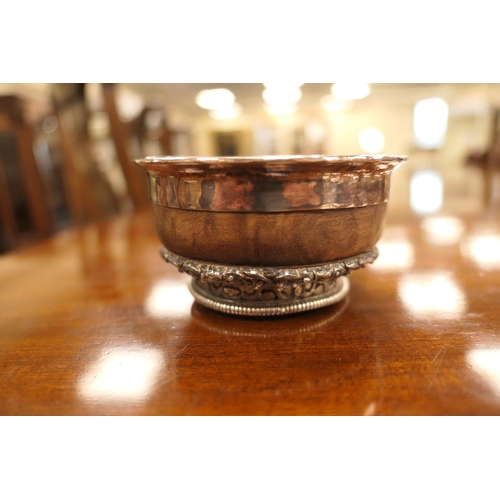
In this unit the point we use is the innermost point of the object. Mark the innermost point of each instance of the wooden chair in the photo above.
(88, 193)
(8, 223)
(26, 202)
(25, 210)
(93, 195)
(489, 160)
(167, 138)
(163, 135)
(135, 178)
(76, 146)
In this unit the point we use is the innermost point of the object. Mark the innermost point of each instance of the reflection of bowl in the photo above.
(269, 235)
(299, 326)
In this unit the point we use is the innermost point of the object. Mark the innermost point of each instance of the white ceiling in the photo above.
(249, 95)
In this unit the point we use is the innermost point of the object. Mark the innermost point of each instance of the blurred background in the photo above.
(67, 150)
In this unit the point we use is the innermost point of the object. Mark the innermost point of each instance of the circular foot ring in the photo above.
(271, 308)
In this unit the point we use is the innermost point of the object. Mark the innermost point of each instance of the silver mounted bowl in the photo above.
(269, 235)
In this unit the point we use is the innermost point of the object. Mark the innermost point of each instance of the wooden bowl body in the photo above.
(272, 238)
(270, 211)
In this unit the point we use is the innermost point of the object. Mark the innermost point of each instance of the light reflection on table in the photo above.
(483, 250)
(169, 298)
(122, 374)
(486, 362)
(433, 295)
(443, 230)
(395, 251)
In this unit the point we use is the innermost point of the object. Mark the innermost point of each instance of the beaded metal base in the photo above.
(268, 291)
(271, 307)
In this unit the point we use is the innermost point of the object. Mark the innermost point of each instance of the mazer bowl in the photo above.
(269, 235)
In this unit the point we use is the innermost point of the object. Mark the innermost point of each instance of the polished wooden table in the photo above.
(93, 322)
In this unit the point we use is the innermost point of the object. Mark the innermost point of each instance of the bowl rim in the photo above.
(153, 161)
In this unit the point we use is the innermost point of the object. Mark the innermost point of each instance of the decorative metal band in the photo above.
(241, 308)
(254, 278)
(240, 192)
(264, 291)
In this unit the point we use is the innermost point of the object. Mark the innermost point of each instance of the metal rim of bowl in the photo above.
(268, 160)
(269, 184)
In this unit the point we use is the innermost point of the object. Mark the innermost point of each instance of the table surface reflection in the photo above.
(93, 322)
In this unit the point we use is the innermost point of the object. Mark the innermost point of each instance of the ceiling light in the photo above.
(281, 96)
(350, 91)
(226, 113)
(215, 98)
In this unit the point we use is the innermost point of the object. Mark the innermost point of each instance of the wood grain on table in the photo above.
(93, 322)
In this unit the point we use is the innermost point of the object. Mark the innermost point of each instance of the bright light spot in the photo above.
(484, 251)
(123, 374)
(168, 299)
(329, 104)
(371, 140)
(282, 96)
(129, 103)
(430, 121)
(215, 98)
(280, 110)
(435, 296)
(443, 230)
(395, 251)
(350, 91)
(393, 256)
(486, 362)
(315, 131)
(50, 124)
(226, 113)
(426, 192)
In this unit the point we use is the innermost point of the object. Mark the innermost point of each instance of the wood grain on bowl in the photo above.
(270, 239)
